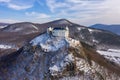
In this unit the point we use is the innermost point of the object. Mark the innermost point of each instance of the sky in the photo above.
(84, 12)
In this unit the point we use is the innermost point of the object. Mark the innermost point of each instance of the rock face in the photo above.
(100, 39)
(58, 58)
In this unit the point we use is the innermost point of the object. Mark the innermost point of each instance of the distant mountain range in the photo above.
(112, 28)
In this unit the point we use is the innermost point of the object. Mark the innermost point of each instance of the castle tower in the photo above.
(67, 32)
(49, 30)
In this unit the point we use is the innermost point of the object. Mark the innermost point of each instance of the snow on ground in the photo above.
(40, 39)
(94, 30)
(81, 64)
(73, 42)
(95, 41)
(52, 46)
(59, 65)
(49, 43)
(79, 28)
(54, 68)
(114, 50)
(2, 27)
(4, 46)
(34, 27)
(112, 54)
(114, 59)
(91, 30)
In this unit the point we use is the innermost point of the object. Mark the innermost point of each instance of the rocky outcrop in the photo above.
(54, 58)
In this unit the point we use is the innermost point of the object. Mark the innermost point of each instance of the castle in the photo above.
(61, 32)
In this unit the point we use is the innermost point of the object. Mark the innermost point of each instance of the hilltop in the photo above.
(87, 53)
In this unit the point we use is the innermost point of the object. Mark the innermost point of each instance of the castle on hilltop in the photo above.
(62, 32)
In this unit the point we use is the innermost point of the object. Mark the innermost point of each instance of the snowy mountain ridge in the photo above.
(50, 43)
(50, 57)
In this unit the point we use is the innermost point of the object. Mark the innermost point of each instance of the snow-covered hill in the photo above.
(87, 54)
(23, 28)
(47, 57)
(112, 54)
(20, 33)
(100, 39)
(2, 27)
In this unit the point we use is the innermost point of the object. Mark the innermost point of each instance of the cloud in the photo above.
(86, 12)
(18, 7)
(6, 1)
(78, 5)
(76, 8)
(54, 5)
(73, 6)
(37, 15)
(18, 4)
